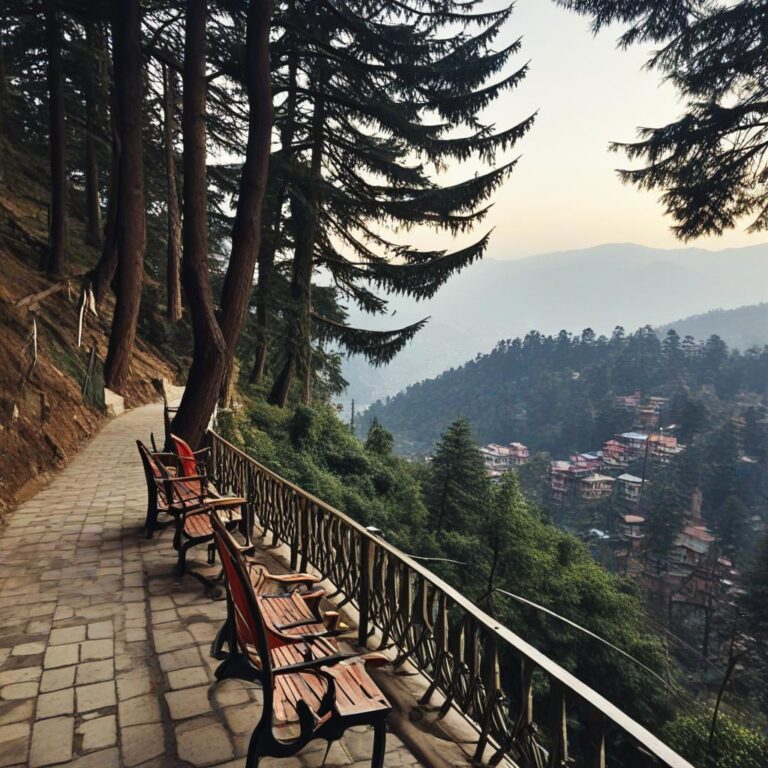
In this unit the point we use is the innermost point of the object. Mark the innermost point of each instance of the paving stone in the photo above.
(66, 635)
(55, 679)
(141, 743)
(20, 675)
(95, 696)
(139, 710)
(132, 685)
(61, 656)
(188, 703)
(16, 711)
(51, 741)
(56, 703)
(203, 742)
(28, 649)
(14, 744)
(95, 671)
(92, 650)
(337, 755)
(135, 635)
(105, 758)
(230, 692)
(161, 617)
(99, 733)
(18, 691)
(100, 630)
(187, 678)
(189, 657)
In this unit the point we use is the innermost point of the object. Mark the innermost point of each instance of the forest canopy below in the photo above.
(556, 393)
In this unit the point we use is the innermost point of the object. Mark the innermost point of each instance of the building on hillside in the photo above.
(646, 417)
(614, 455)
(634, 444)
(595, 487)
(692, 545)
(560, 479)
(628, 402)
(520, 454)
(502, 458)
(584, 464)
(663, 447)
(632, 530)
(630, 488)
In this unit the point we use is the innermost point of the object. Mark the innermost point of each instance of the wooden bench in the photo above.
(188, 500)
(307, 680)
(300, 602)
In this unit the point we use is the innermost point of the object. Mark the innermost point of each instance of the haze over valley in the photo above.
(600, 287)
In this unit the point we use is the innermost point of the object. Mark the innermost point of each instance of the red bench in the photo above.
(306, 679)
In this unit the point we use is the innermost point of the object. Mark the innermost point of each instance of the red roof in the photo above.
(698, 532)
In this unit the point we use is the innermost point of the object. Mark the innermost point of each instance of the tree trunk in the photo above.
(173, 263)
(246, 231)
(263, 295)
(305, 209)
(3, 97)
(104, 271)
(53, 261)
(93, 208)
(130, 221)
(270, 244)
(204, 378)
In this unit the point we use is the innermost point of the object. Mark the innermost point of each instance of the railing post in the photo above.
(558, 733)
(365, 589)
(295, 503)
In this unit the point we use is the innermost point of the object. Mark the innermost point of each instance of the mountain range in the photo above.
(600, 287)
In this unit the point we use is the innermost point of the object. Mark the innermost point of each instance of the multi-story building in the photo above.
(594, 487)
(502, 458)
(630, 488)
(560, 479)
(631, 530)
(634, 444)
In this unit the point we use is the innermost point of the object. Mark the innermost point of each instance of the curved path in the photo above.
(103, 652)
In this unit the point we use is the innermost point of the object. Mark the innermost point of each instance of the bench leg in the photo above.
(256, 744)
(181, 566)
(379, 743)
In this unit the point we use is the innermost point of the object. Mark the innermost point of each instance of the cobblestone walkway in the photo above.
(103, 652)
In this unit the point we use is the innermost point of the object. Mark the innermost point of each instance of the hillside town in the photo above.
(695, 581)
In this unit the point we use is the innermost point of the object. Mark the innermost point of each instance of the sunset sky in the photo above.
(564, 193)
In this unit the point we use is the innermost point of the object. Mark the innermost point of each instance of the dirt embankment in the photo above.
(44, 416)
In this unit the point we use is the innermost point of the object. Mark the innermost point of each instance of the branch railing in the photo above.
(525, 706)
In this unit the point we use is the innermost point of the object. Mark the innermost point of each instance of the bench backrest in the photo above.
(154, 472)
(249, 625)
(185, 454)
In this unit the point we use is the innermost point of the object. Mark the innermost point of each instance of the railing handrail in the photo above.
(638, 732)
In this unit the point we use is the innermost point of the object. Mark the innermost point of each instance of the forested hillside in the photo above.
(555, 393)
(600, 288)
(739, 328)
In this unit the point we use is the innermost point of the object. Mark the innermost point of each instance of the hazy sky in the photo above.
(564, 193)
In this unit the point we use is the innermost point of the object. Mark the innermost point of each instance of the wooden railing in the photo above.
(524, 705)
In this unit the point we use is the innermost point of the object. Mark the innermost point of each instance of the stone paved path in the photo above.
(103, 652)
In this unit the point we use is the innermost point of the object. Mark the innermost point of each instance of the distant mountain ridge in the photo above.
(739, 328)
(601, 287)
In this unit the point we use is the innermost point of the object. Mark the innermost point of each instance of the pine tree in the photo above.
(55, 257)
(131, 222)
(709, 164)
(356, 127)
(456, 489)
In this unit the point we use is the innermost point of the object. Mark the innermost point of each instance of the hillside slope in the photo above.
(598, 288)
(555, 393)
(739, 328)
(44, 418)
